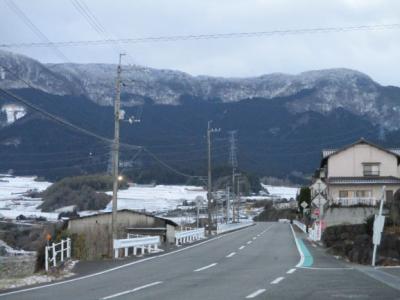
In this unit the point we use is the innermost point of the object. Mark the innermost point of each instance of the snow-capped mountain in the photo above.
(320, 91)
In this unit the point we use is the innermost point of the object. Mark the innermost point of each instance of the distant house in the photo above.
(353, 176)
(94, 230)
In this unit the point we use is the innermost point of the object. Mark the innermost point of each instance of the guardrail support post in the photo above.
(134, 251)
(126, 252)
(116, 253)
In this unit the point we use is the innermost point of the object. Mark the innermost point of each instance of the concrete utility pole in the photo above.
(209, 185)
(228, 205)
(238, 199)
(117, 105)
(233, 163)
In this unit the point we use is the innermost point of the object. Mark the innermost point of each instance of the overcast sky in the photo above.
(376, 53)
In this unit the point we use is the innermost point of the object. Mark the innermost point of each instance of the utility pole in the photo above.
(228, 205)
(115, 161)
(238, 200)
(209, 185)
(233, 163)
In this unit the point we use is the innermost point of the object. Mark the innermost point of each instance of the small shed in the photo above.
(94, 231)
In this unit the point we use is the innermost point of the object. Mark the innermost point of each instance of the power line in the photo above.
(172, 169)
(232, 35)
(19, 12)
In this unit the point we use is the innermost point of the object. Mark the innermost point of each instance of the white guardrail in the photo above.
(149, 243)
(222, 228)
(61, 250)
(300, 225)
(187, 236)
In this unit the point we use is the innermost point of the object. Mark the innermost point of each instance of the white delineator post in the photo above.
(379, 223)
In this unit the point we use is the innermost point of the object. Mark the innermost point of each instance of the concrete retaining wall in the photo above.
(17, 266)
(354, 215)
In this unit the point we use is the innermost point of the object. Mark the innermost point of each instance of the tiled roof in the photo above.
(327, 152)
(363, 180)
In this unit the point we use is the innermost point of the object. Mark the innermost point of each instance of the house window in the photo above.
(371, 169)
(343, 194)
(363, 194)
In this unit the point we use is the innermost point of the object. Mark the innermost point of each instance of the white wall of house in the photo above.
(371, 191)
(349, 162)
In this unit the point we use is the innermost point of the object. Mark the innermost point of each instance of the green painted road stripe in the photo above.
(308, 259)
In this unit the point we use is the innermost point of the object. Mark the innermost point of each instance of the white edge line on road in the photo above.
(256, 293)
(301, 261)
(327, 268)
(231, 254)
(242, 247)
(249, 242)
(254, 238)
(291, 271)
(206, 267)
(277, 280)
(125, 265)
(133, 290)
(387, 267)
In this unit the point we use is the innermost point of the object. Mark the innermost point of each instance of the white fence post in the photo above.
(62, 250)
(54, 255)
(46, 264)
(65, 252)
(68, 248)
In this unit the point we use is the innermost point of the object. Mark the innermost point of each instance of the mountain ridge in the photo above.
(332, 88)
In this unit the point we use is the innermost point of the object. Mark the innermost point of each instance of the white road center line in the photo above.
(291, 271)
(256, 293)
(133, 290)
(231, 254)
(254, 238)
(206, 267)
(241, 247)
(249, 242)
(277, 280)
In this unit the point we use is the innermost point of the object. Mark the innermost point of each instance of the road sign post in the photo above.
(379, 223)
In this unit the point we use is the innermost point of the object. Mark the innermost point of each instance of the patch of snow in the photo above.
(13, 200)
(281, 191)
(13, 112)
(69, 208)
(156, 199)
(13, 187)
(13, 214)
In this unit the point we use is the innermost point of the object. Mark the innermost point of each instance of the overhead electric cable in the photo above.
(231, 35)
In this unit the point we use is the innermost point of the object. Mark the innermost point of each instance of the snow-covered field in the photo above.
(158, 198)
(281, 191)
(13, 201)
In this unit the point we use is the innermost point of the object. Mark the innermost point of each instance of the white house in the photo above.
(354, 176)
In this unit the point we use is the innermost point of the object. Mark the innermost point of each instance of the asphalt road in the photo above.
(258, 262)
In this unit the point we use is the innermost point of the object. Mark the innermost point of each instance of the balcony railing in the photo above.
(355, 201)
